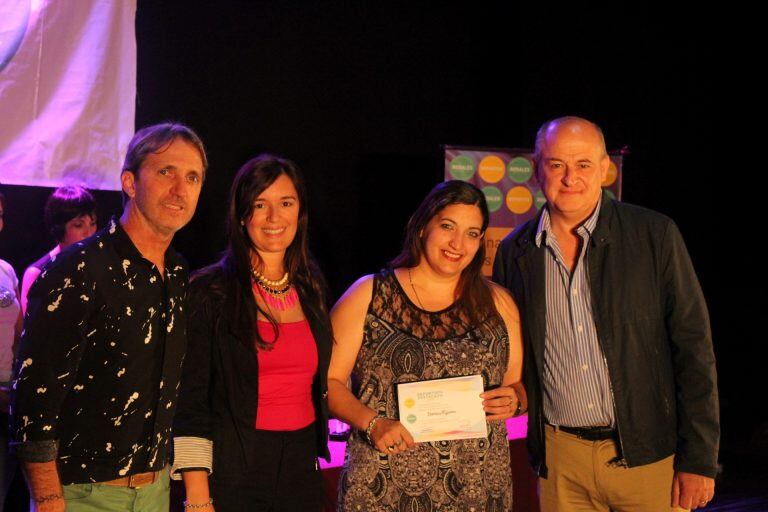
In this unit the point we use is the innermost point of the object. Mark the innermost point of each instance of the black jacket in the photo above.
(653, 328)
(219, 385)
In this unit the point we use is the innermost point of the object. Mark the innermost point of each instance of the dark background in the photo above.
(361, 95)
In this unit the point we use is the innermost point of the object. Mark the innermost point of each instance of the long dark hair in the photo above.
(235, 265)
(473, 293)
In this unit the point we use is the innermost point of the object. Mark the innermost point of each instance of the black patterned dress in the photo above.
(403, 343)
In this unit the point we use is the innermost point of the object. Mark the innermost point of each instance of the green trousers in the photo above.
(101, 498)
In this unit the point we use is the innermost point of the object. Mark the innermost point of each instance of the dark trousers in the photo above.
(286, 477)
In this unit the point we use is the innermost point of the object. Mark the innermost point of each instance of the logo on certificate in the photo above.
(411, 418)
(410, 402)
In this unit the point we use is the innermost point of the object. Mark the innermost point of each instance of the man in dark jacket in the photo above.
(620, 371)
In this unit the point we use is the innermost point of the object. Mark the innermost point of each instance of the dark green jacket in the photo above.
(653, 328)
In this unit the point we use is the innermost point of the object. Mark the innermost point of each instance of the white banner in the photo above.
(67, 91)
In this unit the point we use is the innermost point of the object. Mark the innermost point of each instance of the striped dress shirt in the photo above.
(576, 384)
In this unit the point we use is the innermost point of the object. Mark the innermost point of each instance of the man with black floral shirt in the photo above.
(100, 358)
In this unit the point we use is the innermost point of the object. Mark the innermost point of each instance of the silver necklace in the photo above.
(410, 280)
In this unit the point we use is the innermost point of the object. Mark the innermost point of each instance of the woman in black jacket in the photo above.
(252, 413)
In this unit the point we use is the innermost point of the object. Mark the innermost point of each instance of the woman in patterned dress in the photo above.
(430, 315)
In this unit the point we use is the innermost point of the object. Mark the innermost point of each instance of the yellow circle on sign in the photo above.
(409, 402)
(491, 169)
(610, 176)
(519, 200)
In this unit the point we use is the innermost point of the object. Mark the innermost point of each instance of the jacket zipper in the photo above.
(615, 410)
(605, 360)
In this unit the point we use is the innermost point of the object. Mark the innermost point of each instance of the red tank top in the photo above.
(285, 377)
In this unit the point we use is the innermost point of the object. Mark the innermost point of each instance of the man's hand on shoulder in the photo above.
(691, 491)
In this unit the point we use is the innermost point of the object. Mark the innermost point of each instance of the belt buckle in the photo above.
(139, 480)
(595, 433)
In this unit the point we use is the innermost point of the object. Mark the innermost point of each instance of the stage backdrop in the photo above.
(511, 189)
(67, 91)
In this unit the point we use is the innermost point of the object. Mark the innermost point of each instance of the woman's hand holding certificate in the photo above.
(456, 407)
(443, 409)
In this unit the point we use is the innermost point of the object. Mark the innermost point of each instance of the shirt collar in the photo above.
(585, 230)
(126, 248)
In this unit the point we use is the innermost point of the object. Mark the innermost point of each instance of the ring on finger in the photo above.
(398, 443)
(391, 447)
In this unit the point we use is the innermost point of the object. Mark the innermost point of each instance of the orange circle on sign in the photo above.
(610, 176)
(519, 200)
(491, 169)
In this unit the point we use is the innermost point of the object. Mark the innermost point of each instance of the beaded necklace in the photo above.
(279, 294)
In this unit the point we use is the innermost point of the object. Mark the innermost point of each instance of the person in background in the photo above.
(10, 330)
(96, 379)
(620, 369)
(70, 216)
(252, 416)
(430, 315)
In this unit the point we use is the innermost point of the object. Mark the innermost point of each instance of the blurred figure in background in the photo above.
(10, 328)
(70, 216)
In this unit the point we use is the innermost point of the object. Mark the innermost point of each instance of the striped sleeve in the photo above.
(191, 452)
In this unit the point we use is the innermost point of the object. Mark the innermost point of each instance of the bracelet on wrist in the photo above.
(369, 429)
(47, 498)
(192, 506)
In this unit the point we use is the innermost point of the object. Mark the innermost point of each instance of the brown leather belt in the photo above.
(136, 481)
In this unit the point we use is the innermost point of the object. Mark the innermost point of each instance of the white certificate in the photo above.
(443, 409)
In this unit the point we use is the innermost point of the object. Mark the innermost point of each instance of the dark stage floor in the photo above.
(743, 485)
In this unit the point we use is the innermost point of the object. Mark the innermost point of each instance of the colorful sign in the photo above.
(508, 180)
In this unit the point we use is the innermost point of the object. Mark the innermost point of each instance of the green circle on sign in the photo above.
(610, 194)
(539, 200)
(411, 418)
(519, 169)
(492, 197)
(462, 167)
